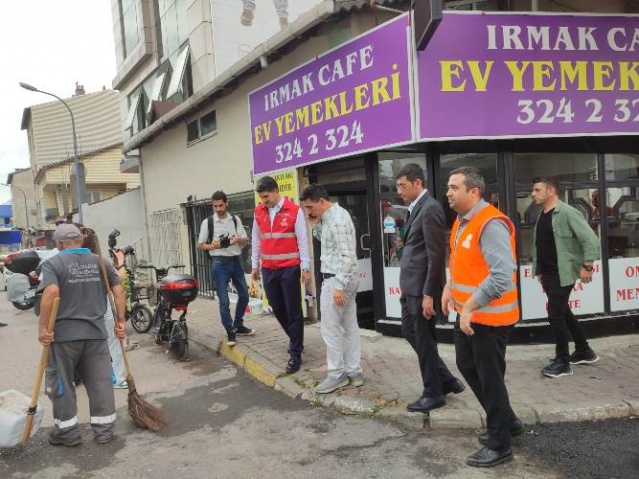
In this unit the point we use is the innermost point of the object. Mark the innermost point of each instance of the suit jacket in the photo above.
(423, 261)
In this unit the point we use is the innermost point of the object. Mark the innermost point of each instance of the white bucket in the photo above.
(13, 416)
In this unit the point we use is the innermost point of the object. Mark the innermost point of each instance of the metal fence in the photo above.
(166, 245)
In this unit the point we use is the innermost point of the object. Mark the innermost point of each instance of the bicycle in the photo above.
(174, 292)
(139, 314)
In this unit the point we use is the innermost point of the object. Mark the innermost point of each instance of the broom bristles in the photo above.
(143, 413)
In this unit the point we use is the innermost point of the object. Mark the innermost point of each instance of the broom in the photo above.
(33, 407)
(143, 413)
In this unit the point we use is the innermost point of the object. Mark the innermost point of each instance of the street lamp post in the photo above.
(78, 168)
(26, 208)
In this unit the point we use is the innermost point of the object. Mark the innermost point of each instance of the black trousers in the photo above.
(561, 318)
(421, 335)
(481, 358)
(284, 293)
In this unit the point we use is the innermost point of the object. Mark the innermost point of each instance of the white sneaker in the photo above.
(356, 380)
(332, 384)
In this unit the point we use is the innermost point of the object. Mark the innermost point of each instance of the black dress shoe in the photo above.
(294, 364)
(454, 387)
(424, 404)
(488, 458)
(517, 429)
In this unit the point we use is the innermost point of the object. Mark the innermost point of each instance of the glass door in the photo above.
(393, 212)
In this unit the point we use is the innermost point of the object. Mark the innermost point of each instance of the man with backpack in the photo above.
(224, 236)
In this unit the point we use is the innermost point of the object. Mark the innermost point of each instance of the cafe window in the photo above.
(569, 170)
(579, 183)
(486, 163)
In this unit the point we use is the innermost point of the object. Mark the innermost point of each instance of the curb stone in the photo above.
(634, 406)
(449, 418)
(269, 374)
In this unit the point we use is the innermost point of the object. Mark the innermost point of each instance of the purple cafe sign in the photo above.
(512, 75)
(349, 100)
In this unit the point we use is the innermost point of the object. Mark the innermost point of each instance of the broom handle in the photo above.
(43, 361)
(111, 301)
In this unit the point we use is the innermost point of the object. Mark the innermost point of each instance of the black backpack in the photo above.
(211, 227)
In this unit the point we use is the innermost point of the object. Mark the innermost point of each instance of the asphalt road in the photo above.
(223, 424)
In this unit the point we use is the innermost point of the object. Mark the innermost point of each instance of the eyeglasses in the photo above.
(403, 186)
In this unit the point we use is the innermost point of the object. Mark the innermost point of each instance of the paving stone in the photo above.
(393, 378)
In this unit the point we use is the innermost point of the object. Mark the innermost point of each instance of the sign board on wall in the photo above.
(241, 25)
(585, 298)
(519, 75)
(352, 99)
(624, 283)
(287, 183)
(392, 293)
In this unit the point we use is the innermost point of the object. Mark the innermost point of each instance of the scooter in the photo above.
(23, 284)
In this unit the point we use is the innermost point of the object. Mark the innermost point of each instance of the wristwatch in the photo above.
(587, 267)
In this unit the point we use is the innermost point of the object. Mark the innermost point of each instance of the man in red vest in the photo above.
(280, 247)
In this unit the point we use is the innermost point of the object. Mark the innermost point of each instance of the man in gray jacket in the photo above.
(421, 280)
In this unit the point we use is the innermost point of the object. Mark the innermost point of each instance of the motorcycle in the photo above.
(22, 284)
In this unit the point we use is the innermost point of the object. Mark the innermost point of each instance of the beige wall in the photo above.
(23, 180)
(97, 120)
(125, 213)
(101, 168)
(171, 170)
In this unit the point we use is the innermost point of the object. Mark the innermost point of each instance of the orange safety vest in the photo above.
(468, 269)
(278, 245)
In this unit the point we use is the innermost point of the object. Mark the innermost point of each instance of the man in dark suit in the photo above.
(421, 280)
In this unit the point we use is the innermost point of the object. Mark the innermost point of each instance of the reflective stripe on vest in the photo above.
(278, 242)
(276, 235)
(468, 269)
(277, 257)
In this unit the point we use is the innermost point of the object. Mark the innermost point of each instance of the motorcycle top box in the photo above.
(179, 289)
(23, 262)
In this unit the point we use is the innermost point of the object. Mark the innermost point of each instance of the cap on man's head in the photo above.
(67, 231)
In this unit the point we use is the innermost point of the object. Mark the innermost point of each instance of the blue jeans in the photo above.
(223, 272)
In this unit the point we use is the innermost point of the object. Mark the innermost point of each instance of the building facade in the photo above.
(209, 138)
(51, 185)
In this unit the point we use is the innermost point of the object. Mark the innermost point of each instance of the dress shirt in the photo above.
(300, 233)
(412, 205)
(220, 227)
(339, 251)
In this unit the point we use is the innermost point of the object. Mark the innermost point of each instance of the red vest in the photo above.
(278, 245)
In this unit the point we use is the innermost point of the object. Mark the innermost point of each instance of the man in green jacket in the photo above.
(564, 250)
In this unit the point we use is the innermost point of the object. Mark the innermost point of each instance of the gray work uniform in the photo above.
(80, 343)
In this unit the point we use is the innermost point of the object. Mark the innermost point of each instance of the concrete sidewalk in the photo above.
(607, 389)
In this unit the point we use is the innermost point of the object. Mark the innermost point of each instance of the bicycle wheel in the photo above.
(178, 341)
(141, 318)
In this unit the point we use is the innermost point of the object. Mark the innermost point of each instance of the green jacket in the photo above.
(575, 240)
